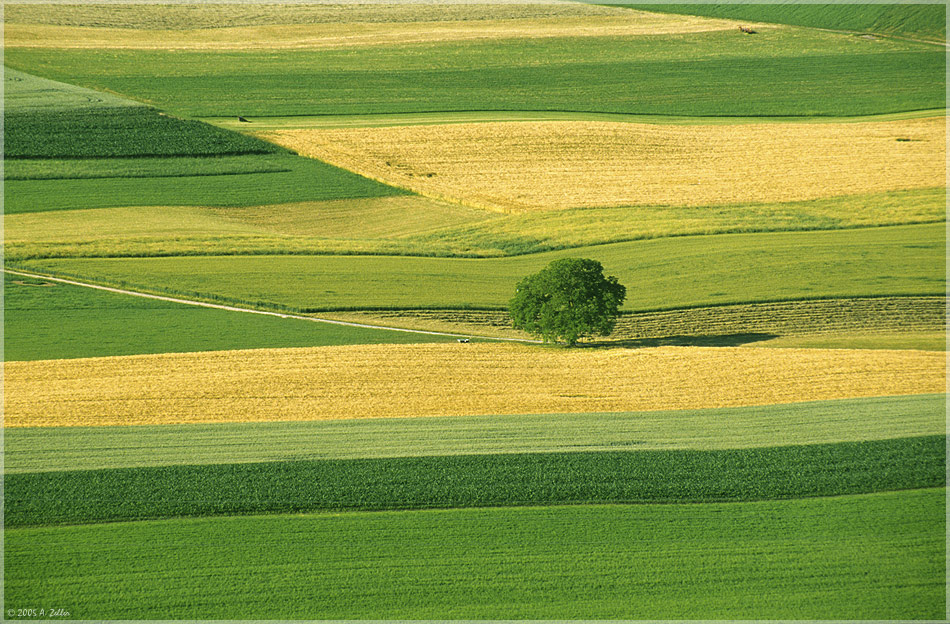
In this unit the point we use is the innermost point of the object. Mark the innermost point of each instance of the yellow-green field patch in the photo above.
(345, 28)
(379, 381)
(524, 166)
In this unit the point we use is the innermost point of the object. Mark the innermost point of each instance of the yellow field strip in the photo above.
(545, 165)
(378, 381)
(357, 34)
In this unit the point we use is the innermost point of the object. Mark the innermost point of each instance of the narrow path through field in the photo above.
(218, 306)
(369, 120)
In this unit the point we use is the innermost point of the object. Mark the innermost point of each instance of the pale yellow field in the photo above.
(379, 381)
(394, 216)
(348, 33)
(521, 166)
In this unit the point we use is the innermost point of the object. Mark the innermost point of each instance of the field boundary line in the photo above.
(322, 121)
(230, 308)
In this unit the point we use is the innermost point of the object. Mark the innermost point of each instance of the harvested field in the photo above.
(230, 15)
(347, 27)
(523, 166)
(781, 318)
(378, 381)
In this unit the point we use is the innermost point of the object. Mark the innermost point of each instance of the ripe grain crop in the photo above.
(522, 166)
(377, 381)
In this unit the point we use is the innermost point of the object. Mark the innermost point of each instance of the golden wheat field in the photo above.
(377, 381)
(519, 166)
(352, 32)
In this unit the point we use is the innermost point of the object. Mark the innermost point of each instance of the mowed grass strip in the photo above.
(347, 33)
(518, 166)
(785, 72)
(680, 476)
(218, 16)
(378, 381)
(41, 449)
(852, 557)
(666, 273)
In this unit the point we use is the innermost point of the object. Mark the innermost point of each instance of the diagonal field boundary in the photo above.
(218, 306)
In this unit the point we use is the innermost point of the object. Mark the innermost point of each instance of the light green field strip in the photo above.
(415, 225)
(861, 557)
(305, 122)
(39, 449)
(664, 273)
(24, 92)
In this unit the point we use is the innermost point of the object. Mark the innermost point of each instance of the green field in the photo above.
(787, 72)
(127, 165)
(410, 225)
(283, 179)
(852, 557)
(663, 273)
(924, 21)
(45, 321)
(464, 481)
(89, 448)
(70, 149)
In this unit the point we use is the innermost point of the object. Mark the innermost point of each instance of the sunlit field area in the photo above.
(259, 359)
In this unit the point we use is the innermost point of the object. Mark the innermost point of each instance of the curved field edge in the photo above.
(422, 380)
(552, 165)
(376, 120)
(679, 476)
(863, 557)
(919, 21)
(43, 449)
(408, 225)
(669, 273)
(788, 73)
(46, 320)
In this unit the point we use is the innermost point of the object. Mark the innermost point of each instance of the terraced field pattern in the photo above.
(258, 358)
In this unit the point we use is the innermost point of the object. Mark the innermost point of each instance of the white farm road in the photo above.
(218, 306)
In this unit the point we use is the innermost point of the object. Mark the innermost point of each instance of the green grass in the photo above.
(865, 557)
(410, 226)
(38, 449)
(70, 149)
(676, 476)
(56, 321)
(25, 93)
(787, 72)
(297, 180)
(49, 119)
(927, 21)
(104, 168)
(119, 132)
(661, 274)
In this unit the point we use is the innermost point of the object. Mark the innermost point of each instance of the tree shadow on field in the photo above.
(725, 340)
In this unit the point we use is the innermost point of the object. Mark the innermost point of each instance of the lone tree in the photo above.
(567, 300)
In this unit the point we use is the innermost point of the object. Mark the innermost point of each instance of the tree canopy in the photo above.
(567, 300)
